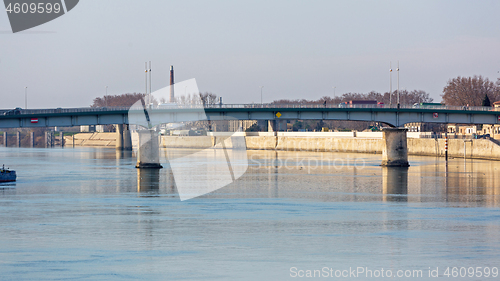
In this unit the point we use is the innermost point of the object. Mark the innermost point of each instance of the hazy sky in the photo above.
(295, 49)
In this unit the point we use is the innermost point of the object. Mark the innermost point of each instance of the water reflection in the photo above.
(123, 154)
(111, 231)
(394, 183)
(155, 181)
(8, 188)
(328, 177)
(148, 180)
(319, 176)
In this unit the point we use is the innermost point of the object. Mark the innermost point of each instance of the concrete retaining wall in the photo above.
(92, 139)
(191, 142)
(478, 148)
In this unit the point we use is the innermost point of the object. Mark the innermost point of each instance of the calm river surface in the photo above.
(87, 213)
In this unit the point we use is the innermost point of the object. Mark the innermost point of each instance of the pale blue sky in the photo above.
(295, 49)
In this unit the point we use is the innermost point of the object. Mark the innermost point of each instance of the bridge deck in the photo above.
(377, 113)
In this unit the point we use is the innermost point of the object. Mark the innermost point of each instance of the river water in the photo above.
(87, 213)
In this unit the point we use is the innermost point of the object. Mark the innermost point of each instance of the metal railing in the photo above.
(242, 106)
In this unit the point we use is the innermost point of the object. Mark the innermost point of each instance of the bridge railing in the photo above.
(254, 105)
(388, 106)
(71, 110)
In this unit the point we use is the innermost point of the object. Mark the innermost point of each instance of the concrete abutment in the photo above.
(395, 147)
(148, 152)
(123, 137)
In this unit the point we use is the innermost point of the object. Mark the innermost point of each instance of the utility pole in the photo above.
(146, 71)
(261, 95)
(390, 82)
(398, 83)
(150, 77)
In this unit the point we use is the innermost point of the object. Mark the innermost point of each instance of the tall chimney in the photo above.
(172, 83)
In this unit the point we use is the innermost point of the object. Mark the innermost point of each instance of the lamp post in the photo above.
(261, 95)
(25, 97)
(390, 82)
(398, 83)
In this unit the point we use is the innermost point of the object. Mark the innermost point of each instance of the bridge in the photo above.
(390, 115)
(395, 152)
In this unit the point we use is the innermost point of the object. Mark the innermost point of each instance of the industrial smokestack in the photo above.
(172, 83)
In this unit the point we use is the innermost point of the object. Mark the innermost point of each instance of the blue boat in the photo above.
(7, 175)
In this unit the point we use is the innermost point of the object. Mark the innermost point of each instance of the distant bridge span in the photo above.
(391, 115)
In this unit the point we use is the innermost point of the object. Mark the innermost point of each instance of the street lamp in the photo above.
(261, 94)
(390, 82)
(398, 83)
(25, 97)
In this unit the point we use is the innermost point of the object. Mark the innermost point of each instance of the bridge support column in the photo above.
(395, 150)
(119, 137)
(18, 142)
(32, 139)
(61, 136)
(5, 142)
(123, 138)
(148, 152)
(127, 138)
(271, 126)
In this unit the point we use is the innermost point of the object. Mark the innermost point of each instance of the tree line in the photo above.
(459, 91)
(130, 98)
(472, 91)
(405, 97)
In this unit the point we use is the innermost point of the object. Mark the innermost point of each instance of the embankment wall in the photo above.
(477, 148)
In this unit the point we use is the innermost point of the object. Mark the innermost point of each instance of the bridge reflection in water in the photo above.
(395, 183)
(325, 176)
(148, 180)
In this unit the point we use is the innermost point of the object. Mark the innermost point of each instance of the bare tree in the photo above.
(117, 100)
(405, 98)
(469, 91)
(415, 96)
(208, 98)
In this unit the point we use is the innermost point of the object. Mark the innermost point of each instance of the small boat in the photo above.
(7, 175)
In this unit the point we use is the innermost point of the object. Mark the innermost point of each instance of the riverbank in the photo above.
(352, 142)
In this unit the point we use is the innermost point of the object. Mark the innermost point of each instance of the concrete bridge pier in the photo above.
(148, 152)
(32, 139)
(5, 142)
(18, 142)
(123, 138)
(395, 150)
(61, 136)
(272, 126)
